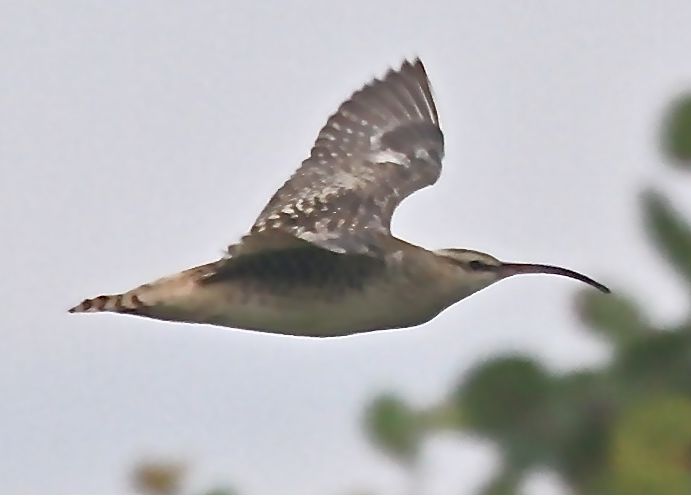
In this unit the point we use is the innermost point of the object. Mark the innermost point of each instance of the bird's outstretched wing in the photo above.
(382, 144)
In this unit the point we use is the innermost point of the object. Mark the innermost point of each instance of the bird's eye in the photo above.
(476, 265)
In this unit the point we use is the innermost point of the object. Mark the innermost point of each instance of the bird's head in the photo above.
(479, 270)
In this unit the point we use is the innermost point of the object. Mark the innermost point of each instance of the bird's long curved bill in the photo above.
(511, 269)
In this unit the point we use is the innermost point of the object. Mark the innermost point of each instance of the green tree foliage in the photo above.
(625, 427)
(616, 317)
(671, 233)
(651, 447)
(676, 140)
(395, 427)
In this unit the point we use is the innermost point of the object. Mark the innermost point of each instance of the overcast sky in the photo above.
(140, 138)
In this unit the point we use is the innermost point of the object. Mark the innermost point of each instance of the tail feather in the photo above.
(119, 303)
(164, 298)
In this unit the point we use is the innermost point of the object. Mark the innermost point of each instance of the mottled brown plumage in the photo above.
(383, 144)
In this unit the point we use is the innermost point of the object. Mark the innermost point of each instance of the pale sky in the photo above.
(140, 138)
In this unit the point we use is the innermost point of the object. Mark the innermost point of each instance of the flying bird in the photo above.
(320, 260)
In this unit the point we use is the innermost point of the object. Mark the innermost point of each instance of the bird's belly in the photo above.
(322, 312)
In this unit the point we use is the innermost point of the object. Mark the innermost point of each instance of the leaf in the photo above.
(651, 450)
(661, 362)
(503, 395)
(676, 131)
(614, 315)
(670, 232)
(394, 427)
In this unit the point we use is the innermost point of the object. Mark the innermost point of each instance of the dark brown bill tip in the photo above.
(510, 269)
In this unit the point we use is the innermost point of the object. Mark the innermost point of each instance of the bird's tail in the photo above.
(156, 299)
(121, 303)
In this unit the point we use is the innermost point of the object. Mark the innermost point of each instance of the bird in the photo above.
(320, 260)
